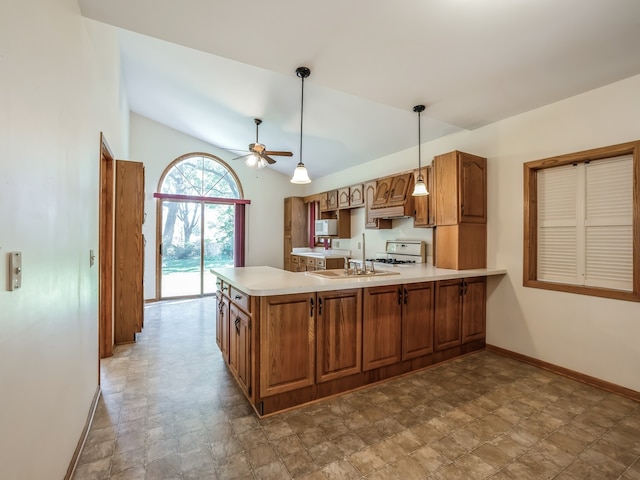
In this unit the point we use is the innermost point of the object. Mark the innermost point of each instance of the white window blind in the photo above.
(585, 223)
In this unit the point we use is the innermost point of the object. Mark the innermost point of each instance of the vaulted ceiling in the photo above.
(209, 67)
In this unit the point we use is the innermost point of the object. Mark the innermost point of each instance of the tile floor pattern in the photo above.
(171, 410)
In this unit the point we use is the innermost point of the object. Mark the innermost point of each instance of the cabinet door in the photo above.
(399, 188)
(382, 328)
(417, 320)
(339, 334)
(344, 197)
(288, 248)
(218, 321)
(240, 347)
(473, 309)
(332, 200)
(447, 327)
(446, 188)
(472, 185)
(288, 213)
(287, 346)
(357, 195)
(223, 317)
(423, 205)
(369, 197)
(382, 192)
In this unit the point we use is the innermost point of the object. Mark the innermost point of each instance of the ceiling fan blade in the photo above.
(243, 157)
(276, 153)
(269, 160)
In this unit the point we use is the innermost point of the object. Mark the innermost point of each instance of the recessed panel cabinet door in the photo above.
(287, 346)
(381, 326)
(339, 339)
(473, 309)
(448, 331)
(417, 320)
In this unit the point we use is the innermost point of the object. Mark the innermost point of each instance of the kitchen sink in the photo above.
(339, 273)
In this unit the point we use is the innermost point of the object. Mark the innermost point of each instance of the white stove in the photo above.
(402, 252)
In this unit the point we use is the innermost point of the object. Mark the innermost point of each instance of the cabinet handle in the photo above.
(464, 283)
(238, 297)
(406, 294)
(237, 323)
(399, 296)
(462, 209)
(319, 306)
(311, 313)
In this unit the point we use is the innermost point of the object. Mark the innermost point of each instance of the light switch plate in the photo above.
(15, 270)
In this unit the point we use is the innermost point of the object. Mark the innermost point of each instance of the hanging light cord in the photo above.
(419, 109)
(301, 116)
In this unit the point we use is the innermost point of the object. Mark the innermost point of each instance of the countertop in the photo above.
(264, 281)
(321, 252)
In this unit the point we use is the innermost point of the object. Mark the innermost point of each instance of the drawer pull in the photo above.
(238, 297)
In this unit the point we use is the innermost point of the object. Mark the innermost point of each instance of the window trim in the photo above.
(530, 243)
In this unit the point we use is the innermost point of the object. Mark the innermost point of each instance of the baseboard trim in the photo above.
(83, 435)
(580, 377)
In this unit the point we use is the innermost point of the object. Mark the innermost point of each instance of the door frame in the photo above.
(105, 250)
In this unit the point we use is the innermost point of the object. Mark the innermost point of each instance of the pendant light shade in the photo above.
(420, 189)
(300, 174)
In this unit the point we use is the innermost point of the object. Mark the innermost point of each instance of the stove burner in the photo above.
(390, 261)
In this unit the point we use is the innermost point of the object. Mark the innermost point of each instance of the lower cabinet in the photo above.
(339, 334)
(398, 323)
(240, 347)
(287, 349)
(460, 311)
(222, 325)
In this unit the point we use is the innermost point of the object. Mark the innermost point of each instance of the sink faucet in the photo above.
(346, 265)
(364, 261)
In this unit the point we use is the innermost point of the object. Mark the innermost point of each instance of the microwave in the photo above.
(327, 227)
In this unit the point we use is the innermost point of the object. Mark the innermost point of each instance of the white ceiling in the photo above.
(208, 67)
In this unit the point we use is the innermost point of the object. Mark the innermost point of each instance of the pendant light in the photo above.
(420, 189)
(300, 174)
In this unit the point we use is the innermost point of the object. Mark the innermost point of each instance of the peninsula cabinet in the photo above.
(398, 323)
(287, 348)
(460, 314)
(339, 334)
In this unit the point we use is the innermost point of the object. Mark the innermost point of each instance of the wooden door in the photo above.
(473, 309)
(357, 195)
(417, 319)
(223, 326)
(472, 188)
(287, 346)
(446, 188)
(382, 329)
(369, 194)
(332, 200)
(399, 188)
(344, 197)
(382, 192)
(240, 346)
(447, 329)
(128, 251)
(339, 334)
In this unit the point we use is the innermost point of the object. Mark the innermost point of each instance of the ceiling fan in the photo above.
(258, 156)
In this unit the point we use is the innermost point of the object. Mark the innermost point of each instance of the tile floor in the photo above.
(171, 410)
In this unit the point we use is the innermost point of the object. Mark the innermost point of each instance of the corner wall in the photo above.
(59, 88)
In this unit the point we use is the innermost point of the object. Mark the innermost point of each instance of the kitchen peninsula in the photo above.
(294, 337)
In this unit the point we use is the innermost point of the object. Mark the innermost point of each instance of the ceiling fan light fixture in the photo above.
(300, 174)
(420, 189)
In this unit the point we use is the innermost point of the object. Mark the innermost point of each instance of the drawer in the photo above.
(222, 286)
(240, 298)
(311, 262)
(321, 264)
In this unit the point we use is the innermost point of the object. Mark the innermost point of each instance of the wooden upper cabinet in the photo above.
(324, 206)
(424, 206)
(381, 192)
(370, 221)
(356, 197)
(344, 197)
(332, 200)
(460, 188)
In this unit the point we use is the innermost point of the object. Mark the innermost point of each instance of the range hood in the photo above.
(393, 198)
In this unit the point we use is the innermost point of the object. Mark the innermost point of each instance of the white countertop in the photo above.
(321, 252)
(264, 281)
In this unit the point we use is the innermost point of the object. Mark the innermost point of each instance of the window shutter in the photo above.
(557, 229)
(609, 223)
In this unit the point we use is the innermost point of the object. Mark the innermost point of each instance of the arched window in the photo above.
(201, 218)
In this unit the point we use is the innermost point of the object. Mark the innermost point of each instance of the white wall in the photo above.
(595, 336)
(58, 90)
(157, 146)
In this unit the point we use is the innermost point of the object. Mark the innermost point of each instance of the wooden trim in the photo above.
(565, 372)
(529, 270)
(105, 250)
(83, 436)
(196, 198)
